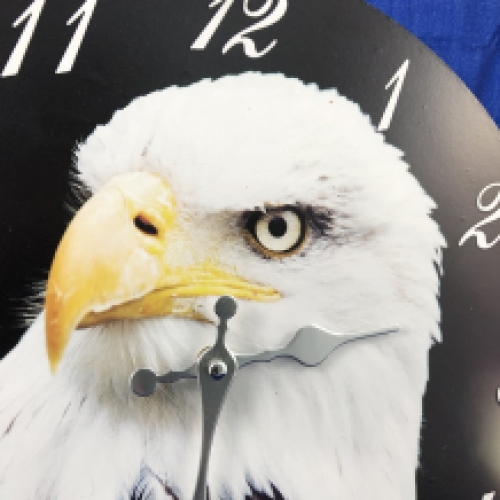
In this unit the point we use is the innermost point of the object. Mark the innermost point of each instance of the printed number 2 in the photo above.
(33, 12)
(399, 80)
(475, 231)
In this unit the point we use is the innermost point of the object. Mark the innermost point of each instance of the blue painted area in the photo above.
(464, 33)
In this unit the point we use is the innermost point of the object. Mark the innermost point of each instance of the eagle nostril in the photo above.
(145, 226)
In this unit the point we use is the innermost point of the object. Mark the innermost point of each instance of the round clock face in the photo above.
(315, 162)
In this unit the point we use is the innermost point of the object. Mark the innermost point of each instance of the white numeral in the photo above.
(85, 14)
(259, 12)
(33, 12)
(202, 41)
(489, 496)
(248, 44)
(249, 47)
(399, 79)
(474, 231)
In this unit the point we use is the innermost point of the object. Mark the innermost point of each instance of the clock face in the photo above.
(314, 161)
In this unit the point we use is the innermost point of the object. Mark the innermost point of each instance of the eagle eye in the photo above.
(278, 232)
(145, 226)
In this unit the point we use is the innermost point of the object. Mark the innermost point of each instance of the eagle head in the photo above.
(285, 197)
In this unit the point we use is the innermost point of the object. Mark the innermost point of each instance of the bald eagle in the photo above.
(283, 196)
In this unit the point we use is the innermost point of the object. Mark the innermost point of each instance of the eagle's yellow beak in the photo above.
(114, 262)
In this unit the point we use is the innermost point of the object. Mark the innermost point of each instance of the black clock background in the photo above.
(132, 48)
(464, 33)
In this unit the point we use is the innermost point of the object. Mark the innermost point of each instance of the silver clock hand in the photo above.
(216, 369)
(217, 366)
(143, 381)
(310, 346)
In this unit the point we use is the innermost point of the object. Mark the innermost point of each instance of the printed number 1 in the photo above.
(33, 12)
(399, 80)
(85, 13)
(202, 41)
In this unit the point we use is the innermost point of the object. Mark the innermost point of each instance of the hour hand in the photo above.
(310, 346)
(143, 381)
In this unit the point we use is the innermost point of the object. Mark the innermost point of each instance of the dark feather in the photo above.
(255, 495)
(260, 496)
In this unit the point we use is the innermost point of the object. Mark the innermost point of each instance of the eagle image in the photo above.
(283, 196)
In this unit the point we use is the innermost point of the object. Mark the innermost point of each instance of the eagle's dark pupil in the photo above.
(277, 226)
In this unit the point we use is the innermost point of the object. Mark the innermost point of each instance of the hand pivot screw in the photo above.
(217, 369)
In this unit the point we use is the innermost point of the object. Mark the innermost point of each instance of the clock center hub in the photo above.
(217, 369)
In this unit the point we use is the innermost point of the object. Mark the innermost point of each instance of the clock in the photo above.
(190, 190)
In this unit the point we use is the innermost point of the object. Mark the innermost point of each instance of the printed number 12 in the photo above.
(33, 12)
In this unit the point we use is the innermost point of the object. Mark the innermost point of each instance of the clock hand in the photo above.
(310, 346)
(216, 369)
(143, 381)
(217, 366)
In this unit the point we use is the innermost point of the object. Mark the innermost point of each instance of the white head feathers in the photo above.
(348, 429)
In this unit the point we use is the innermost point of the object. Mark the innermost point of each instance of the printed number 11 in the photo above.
(33, 12)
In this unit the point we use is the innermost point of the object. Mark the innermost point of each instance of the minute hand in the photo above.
(310, 346)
